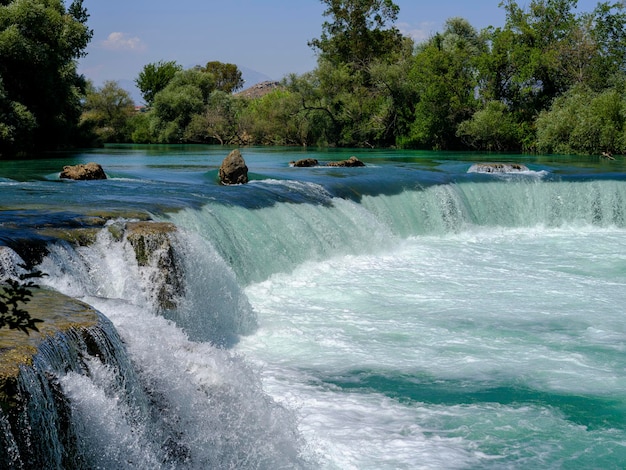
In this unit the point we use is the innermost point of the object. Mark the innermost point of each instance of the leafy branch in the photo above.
(14, 294)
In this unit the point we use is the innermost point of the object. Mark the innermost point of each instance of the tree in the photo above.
(526, 66)
(491, 128)
(154, 77)
(174, 107)
(40, 41)
(607, 32)
(277, 119)
(107, 111)
(585, 122)
(17, 124)
(444, 76)
(348, 96)
(360, 31)
(219, 122)
(227, 76)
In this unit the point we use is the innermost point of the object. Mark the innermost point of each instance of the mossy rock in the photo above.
(17, 349)
(75, 236)
(146, 237)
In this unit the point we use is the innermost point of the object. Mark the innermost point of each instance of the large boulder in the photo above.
(350, 162)
(88, 171)
(233, 169)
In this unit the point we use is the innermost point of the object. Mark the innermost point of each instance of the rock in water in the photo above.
(497, 168)
(350, 162)
(234, 169)
(304, 163)
(88, 171)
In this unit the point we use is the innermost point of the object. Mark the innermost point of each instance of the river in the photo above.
(409, 314)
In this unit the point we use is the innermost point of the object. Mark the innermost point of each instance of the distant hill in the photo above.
(251, 79)
(258, 90)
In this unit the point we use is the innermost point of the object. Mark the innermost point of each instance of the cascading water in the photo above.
(204, 407)
(408, 314)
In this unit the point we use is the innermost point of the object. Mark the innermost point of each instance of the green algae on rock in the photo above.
(59, 314)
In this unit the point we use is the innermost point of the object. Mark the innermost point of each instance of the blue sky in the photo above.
(267, 36)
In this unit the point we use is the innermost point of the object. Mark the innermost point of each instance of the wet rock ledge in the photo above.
(60, 314)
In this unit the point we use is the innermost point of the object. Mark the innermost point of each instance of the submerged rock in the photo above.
(233, 169)
(350, 162)
(88, 171)
(304, 163)
(497, 168)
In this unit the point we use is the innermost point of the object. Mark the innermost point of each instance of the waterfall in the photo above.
(279, 237)
(42, 431)
(154, 385)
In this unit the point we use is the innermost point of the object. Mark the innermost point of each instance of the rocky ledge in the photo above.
(60, 314)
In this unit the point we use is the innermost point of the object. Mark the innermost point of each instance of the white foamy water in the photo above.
(196, 405)
(466, 350)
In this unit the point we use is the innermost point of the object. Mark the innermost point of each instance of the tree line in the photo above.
(549, 80)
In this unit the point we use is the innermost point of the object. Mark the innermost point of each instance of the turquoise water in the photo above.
(404, 315)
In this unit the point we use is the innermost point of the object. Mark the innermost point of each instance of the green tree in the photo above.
(444, 76)
(186, 95)
(359, 32)
(154, 77)
(544, 50)
(605, 29)
(107, 111)
(277, 119)
(40, 41)
(585, 122)
(17, 124)
(350, 98)
(491, 128)
(219, 122)
(227, 76)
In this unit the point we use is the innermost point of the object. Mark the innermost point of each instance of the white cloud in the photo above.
(418, 33)
(117, 41)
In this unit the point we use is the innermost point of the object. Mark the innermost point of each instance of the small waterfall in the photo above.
(186, 281)
(519, 202)
(277, 238)
(39, 428)
(158, 389)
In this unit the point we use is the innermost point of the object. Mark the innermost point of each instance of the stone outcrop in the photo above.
(233, 169)
(497, 168)
(305, 162)
(153, 249)
(87, 171)
(350, 162)
(36, 426)
(59, 314)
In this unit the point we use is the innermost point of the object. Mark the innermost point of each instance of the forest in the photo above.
(550, 80)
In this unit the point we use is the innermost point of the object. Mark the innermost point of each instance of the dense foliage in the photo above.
(40, 91)
(550, 79)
